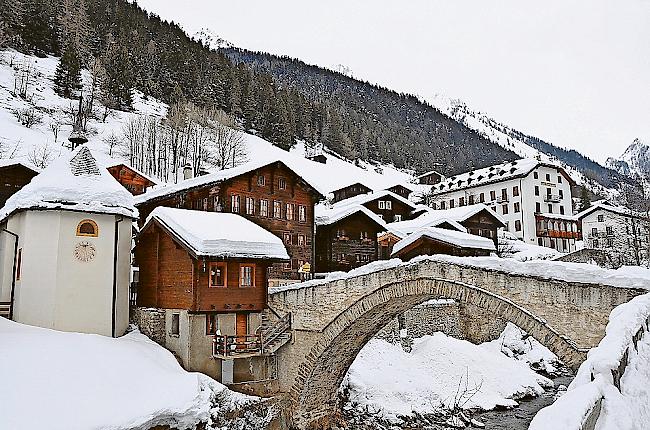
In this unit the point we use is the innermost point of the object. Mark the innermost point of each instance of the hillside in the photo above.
(635, 160)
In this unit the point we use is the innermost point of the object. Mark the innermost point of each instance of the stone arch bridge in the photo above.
(332, 321)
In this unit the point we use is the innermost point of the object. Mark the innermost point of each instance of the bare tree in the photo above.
(41, 155)
(228, 147)
(113, 142)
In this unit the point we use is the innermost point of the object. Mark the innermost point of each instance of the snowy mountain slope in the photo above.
(634, 161)
(47, 139)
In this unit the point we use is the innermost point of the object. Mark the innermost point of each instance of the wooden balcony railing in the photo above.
(232, 346)
(5, 309)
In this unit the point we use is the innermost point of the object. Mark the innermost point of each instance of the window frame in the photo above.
(224, 276)
(215, 325)
(290, 211)
(242, 266)
(235, 201)
(302, 213)
(264, 207)
(249, 205)
(176, 321)
(261, 180)
(95, 232)
(282, 183)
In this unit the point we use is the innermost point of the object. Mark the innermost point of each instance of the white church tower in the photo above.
(65, 249)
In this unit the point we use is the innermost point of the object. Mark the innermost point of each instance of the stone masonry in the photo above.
(333, 321)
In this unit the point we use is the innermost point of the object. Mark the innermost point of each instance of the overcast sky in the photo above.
(575, 73)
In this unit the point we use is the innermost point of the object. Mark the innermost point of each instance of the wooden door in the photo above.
(242, 324)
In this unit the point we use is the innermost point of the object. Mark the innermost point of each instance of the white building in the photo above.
(533, 198)
(618, 230)
(65, 249)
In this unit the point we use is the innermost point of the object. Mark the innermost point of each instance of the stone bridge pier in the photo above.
(333, 321)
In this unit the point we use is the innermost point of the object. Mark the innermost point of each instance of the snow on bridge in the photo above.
(563, 305)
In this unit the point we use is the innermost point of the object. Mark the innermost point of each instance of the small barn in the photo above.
(435, 240)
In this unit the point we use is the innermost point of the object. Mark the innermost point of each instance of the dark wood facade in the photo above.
(396, 210)
(172, 278)
(12, 178)
(428, 246)
(272, 196)
(483, 224)
(430, 178)
(385, 242)
(347, 244)
(132, 180)
(400, 190)
(350, 191)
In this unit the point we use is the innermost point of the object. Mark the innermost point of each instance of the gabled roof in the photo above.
(430, 172)
(620, 210)
(450, 237)
(73, 182)
(404, 228)
(9, 162)
(493, 174)
(432, 217)
(330, 215)
(350, 185)
(362, 199)
(214, 178)
(409, 188)
(218, 234)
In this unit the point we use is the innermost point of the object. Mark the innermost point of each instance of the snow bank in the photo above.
(69, 381)
(386, 379)
(628, 408)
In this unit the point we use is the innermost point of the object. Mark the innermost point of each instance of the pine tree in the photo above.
(74, 28)
(11, 22)
(116, 88)
(67, 80)
(585, 202)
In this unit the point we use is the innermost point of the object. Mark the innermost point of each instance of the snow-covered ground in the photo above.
(441, 371)
(69, 381)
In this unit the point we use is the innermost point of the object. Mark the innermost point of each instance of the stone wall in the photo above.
(151, 322)
(599, 257)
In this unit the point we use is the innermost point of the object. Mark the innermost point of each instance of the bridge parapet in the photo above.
(581, 406)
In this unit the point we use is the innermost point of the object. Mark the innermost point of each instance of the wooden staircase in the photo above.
(274, 333)
(5, 309)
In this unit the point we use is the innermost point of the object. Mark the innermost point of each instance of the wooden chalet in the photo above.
(400, 190)
(136, 182)
(387, 205)
(269, 194)
(209, 271)
(430, 178)
(435, 240)
(346, 238)
(349, 191)
(13, 176)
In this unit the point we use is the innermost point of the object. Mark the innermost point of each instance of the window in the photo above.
(246, 275)
(550, 208)
(381, 204)
(342, 256)
(451, 203)
(559, 179)
(560, 193)
(250, 206)
(461, 201)
(211, 322)
(507, 228)
(234, 203)
(282, 183)
(287, 266)
(19, 263)
(261, 180)
(216, 204)
(389, 205)
(504, 194)
(535, 175)
(363, 235)
(536, 190)
(176, 324)
(548, 177)
(517, 225)
(609, 229)
(87, 228)
(601, 218)
(481, 197)
(540, 241)
(538, 207)
(289, 211)
(217, 275)
(397, 218)
(301, 240)
(286, 237)
(471, 200)
(515, 191)
(504, 208)
(443, 205)
(264, 208)
(595, 243)
(610, 242)
(205, 204)
(594, 231)
(302, 213)
(277, 209)
(493, 195)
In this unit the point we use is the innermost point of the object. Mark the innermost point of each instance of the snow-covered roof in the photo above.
(369, 197)
(74, 182)
(558, 216)
(451, 237)
(219, 234)
(404, 228)
(492, 174)
(621, 210)
(212, 178)
(433, 218)
(6, 162)
(108, 161)
(326, 215)
(430, 172)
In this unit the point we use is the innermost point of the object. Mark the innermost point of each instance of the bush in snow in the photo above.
(28, 117)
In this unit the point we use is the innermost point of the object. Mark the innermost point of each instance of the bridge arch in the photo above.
(319, 376)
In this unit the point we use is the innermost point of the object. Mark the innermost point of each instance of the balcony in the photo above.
(558, 234)
(552, 198)
(502, 199)
(267, 342)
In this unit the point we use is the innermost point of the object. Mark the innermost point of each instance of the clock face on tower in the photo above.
(84, 251)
